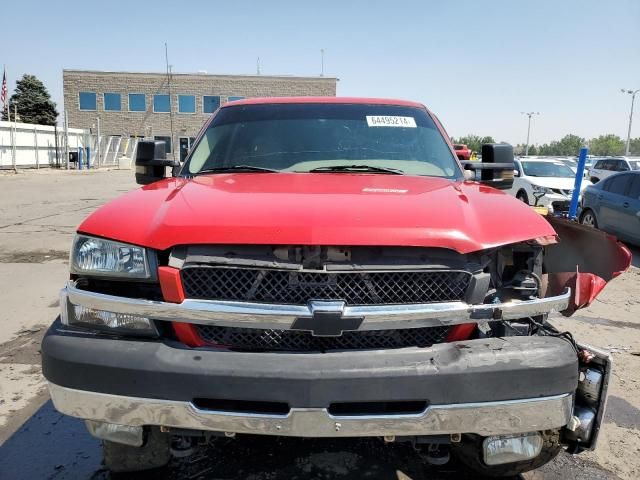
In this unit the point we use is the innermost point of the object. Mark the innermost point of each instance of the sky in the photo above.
(476, 64)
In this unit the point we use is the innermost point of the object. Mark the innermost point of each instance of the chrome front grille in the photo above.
(299, 287)
(298, 341)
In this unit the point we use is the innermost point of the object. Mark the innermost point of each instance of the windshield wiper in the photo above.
(236, 169)
(356, 168)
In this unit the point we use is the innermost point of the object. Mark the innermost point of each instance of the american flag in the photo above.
(3, 92)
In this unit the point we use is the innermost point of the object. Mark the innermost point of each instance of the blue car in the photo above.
(613, 205)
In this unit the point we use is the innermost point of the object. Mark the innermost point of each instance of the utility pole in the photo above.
(166, 57)
(633, 98)
(528, 114)
(322, 62)
(258, 67)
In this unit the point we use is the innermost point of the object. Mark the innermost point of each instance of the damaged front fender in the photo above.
(584, 259)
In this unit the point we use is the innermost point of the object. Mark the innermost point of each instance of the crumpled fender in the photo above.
(584, 259)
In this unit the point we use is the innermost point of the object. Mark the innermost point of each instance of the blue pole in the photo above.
(88, 157)
(582, 160)
(80, 158)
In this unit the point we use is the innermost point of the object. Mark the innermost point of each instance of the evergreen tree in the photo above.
(33, 102)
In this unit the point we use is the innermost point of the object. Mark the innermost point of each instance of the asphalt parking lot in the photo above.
(39, 212)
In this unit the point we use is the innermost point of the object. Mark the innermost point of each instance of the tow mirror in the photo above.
(151, 161)
(497, 167)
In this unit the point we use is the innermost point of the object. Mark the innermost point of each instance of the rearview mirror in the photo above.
(497, 167)
(151, 161)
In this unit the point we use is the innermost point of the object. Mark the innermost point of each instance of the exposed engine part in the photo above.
(182, 446)
(437, 454)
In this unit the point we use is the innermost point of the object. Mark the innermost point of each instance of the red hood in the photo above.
(320, 209)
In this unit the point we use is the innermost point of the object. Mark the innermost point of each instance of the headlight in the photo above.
(96, 256)
(538, 189)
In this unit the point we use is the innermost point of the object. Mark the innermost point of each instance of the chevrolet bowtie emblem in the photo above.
(327, 320)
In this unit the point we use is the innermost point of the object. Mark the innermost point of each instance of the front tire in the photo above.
(588, 218)
(155, 453)
(469, 452)
(523, 197)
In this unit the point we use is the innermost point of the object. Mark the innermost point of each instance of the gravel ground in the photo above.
(39, 212)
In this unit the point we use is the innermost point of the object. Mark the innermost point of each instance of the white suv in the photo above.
(548, 181)
(605, 167)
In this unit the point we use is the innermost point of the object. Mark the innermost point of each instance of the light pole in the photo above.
(633, 98)
(528, 114)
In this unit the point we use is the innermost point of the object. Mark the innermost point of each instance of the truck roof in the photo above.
(338, 100)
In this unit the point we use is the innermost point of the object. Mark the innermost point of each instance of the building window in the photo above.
(87, 100)
(137, 102)
(231, 99)
(186, 103)
(161, 104)
(112, 102)
(210, 103)
(166, 140)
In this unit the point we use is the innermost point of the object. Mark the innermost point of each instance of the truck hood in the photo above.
(317, 209)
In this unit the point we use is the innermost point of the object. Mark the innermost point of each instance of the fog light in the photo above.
(125, 434)
(511, 448)
(110, 320)
(78, 315)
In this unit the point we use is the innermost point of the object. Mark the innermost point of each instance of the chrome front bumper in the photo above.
(486, 418)
(272, 316)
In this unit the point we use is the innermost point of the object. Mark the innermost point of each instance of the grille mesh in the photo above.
(297, 288)
(297, 341)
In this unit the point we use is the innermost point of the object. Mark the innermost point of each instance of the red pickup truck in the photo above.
(462, 151)
(326, 267)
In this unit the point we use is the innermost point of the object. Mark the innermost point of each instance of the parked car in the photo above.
(613, 205)
(324, 267)
(462, 151)
(605, 167)
(544, 182)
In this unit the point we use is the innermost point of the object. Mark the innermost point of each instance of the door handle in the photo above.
(625, 204)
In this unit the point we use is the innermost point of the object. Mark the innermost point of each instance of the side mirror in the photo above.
(151, 161)
(496, 168)
(516, 173)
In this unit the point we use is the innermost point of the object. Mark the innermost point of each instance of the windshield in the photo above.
(547, 169)
(305, 137)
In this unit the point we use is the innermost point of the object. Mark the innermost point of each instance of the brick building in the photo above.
(138, 104)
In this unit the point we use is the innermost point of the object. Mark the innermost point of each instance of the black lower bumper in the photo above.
(485, 370)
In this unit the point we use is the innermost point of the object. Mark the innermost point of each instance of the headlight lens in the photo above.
(97, 256)
(539, 189)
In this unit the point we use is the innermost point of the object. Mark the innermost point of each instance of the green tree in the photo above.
(606, 145)
(474, 142)
(33, 102)
(634, 146)
(569, 145)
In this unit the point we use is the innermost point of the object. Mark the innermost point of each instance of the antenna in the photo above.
(322, 62)
(258, 67)
(166, 58)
